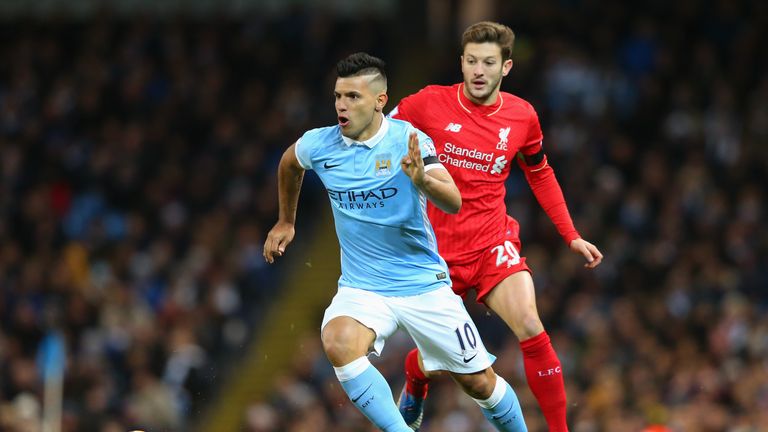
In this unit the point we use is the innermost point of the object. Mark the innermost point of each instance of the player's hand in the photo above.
(588, 251)
(412, 163)
(277, 240)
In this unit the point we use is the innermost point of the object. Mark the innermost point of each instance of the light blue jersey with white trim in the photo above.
(387, 243)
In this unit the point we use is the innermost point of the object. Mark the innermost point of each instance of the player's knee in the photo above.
(342, 344)
(340, 352)
(528, 325)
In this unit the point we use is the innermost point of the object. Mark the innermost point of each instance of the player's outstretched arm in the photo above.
(588, 251)
(290, 175)
(547, 190)
(437, 184)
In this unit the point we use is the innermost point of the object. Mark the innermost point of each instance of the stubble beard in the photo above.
(483, 97)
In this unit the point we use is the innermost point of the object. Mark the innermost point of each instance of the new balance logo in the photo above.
(499, 164)
(453, 127)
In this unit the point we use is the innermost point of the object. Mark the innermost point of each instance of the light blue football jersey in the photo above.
(387, 243)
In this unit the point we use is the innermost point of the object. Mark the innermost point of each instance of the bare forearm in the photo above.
(289, 179)
(443, 193)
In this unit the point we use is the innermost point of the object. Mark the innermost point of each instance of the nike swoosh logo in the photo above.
(361, 394)
(467, 360)
(496, 417)
(326, 166)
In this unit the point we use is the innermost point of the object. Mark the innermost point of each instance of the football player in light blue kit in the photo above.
(378, 179)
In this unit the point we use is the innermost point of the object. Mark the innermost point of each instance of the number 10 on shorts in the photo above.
(470, 336)
(506, 254)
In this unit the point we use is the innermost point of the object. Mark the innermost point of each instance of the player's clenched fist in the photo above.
(412, 163)
(277, 240)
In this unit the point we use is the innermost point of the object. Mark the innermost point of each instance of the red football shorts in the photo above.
(491, 266)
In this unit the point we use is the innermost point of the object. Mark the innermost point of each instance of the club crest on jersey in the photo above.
(503, 138)
(383, 164)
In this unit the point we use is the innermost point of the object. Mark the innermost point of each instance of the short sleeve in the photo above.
(428, 151)
(427, 146)
(304, 150)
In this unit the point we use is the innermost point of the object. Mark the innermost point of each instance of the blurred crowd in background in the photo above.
(137, 165)
(137, 182)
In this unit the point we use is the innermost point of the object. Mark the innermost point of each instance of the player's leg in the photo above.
(479, 387)
(448, 340)
(411, 402)
(345, 340)
(496, 398)
(414, 393)
(514, 300)
(354, 324)
(505, 285)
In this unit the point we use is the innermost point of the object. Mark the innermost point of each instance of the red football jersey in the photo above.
(476, 144)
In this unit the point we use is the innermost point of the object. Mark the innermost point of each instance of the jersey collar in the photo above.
(473, 108)
(372, 141)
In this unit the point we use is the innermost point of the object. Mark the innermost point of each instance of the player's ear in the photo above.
(381, 101)
(506, 67)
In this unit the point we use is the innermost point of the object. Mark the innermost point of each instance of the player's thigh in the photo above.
(369, 309)
(514, 300)
(443, 331)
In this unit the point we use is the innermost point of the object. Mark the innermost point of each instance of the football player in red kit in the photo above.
(478, 131)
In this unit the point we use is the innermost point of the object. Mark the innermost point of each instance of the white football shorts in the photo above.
(437, 321)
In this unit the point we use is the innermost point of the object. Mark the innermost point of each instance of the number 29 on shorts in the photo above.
(506, 254)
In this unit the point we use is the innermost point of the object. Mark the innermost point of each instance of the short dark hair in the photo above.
(361, 63)
(488, 31)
